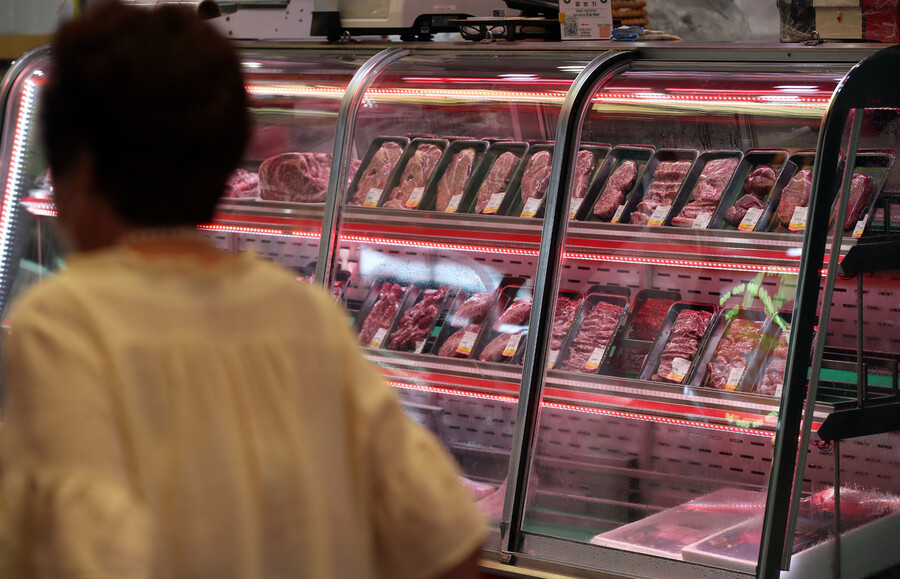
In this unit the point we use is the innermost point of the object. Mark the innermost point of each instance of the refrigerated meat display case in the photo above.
(622, 284)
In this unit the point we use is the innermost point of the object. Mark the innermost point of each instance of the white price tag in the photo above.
(659, 214)
(415, 197)
(420, 345)
(378, 338)
(467, 343)
(751, 218)
(618, 214)
(454, 203)
(574, 206)
(860, 227)
(594, 361)
(701, 221)
(552, 357)
(494, 202)
(680, 368)
(373, 197)
(531, 207)
(798, 219)
(778, 389)
(512, 345)
(734, 378)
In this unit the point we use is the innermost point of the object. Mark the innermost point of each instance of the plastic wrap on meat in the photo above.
(473, 310)
(448, 348)
(760, 181)
(736, 212)
(773, 375)
(617, 186)
(416, 323)
(515, 314)
(295, 177)
(584, 168)
(378, 171)
(861, 188)
(684, 341)
(596, 331)
(708, 192)
(536, 176)
(732, 351)
(383, 312)
(493, 352)
(562, 320)
(456, 175)
(496, 179)
(795, 194)
(415, 174)
(663, 189)
(242, 184)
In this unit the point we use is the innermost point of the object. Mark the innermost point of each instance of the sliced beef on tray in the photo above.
(455, 177)
(417, 322)
(383, 312)
(732, 351)
(496, 179)
(376, 174)
(296, 177)
(596, 331)
(562, 320)
(448, 349)
(773, 375)
(708, 192)
(536, 176)
(757, 186)
(513, 317)
(683, 342)
(415, 174)
(584, 167)
(473, 310)
(666, 182)
(645, 325)
(242, 184)
(861, 188)
(795, 194)
(617, 186)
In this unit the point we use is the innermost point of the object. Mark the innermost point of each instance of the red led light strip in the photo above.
(681, 262)
(437, 245)
(260, 231)
(299, 90)
(784, 100)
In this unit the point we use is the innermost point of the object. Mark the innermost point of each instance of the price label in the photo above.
(574, 206)
(618, 214)
(512, 345)
(378, 338)
(420, 345)
(415, 197)
(373, 197)
(466, 344)
(778, 389)
(860, 227)
(454, 204)
(494, 203)
(798, 219)
(751, 218)
(659, 214)
(552, 357)
(594, 361)
(734, 378)
(701, 221)
(680, 368)
(531, 207)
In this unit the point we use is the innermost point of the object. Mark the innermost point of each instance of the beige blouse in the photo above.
(166, 418)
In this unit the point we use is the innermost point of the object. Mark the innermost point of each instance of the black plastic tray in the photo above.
(693, 180)
(429, 200)
(369, 303)
(370, 152)
(651, 362)
(639, 154)
(490, 331)
(514, 206)
(877, 165)
(469, 201)
(799, 161)
(601, 153)
(753, 158)
(646, 179)
(397, 173)
(413, 296)
(450, 326)
(761, 357)
(589, 303)
(721, 326)
(623, 341)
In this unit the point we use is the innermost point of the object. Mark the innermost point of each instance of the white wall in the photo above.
(33, 16)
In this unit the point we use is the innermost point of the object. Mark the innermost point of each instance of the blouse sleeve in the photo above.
(67, 509)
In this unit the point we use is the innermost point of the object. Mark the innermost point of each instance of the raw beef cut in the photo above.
(296, 177)
(708, 192)
(473, 310)
(666, 182)
(737, 211)
(536, 176)
(732, 351)
(796, 194)
(644, 326)
(377, 172)
(242, 184)
(861, 188)
(456, 175)
(416, 173)
(496, 179)
(683, 342)
(493, 352)
(417, 322)
(596, 331)
(515, 314)
(509, 323)
(448, 349)
(584, 168)
(478, 490)
(382, 313)
(773, 375)
(760, 181)
(617, 186)
(562, 320)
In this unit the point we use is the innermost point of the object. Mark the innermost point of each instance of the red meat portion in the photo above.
(536, 176)
(708, 192)
(516, 313)
(496, 180)
(378, 171)
(456, 175)
(666, 182)
(760, 181)
(562, 320)
(416, 173)
(732, 351)
(473, 310)
(617, 186)
(644, 326)
(683, 342)
(493, 352)
(295, 177)
(796, 194)
(861, 188)
(596, 331)
(737, 211)
(383, 312)
(773, 375)
(584, 167)
(241, 184)
(417, 322)
(448, 349)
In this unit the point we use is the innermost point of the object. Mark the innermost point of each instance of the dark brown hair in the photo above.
(157, 100)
